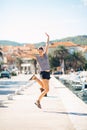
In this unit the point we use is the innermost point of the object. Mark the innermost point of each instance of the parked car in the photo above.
(5, 74)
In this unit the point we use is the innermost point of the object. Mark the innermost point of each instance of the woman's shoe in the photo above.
(38, 104)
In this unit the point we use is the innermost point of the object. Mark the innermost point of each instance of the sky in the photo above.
(26, 21)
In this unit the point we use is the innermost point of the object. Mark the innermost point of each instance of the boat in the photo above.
(83, 91)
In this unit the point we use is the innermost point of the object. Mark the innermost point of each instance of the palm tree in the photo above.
(61, 53)
(75, 61)
(54, 61)
(19, 62)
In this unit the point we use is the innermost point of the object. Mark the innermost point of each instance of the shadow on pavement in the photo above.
(3, 106)
(68, 113)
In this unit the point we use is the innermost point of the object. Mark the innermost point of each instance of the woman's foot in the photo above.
(38, 104)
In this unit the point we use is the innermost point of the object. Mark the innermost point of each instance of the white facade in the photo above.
(27, 66)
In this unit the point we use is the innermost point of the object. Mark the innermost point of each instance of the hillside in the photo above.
(81, 40)
(6, 42)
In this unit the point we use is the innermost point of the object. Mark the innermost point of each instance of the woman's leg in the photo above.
(46, 88)
(37, 80)
(40, 82)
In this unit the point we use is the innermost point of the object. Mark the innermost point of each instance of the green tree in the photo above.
(61, 52)
(75, 61)
(19, 62)
(85, 67)
(58, 56)
(54, 61)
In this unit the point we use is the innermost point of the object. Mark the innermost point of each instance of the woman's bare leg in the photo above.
(39, 82)
(46, 88)
(42, 84)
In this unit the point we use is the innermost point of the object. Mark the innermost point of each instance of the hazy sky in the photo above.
(26, 21)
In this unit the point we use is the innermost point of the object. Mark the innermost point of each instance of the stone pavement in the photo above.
(61, 110)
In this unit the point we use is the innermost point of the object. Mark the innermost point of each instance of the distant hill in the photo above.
(7, 42)
(81, 40)
(37, 45)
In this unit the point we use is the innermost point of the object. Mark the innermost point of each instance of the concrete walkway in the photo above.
(61, 110)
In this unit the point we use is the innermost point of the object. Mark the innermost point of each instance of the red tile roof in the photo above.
(67, 44)
(27, 50)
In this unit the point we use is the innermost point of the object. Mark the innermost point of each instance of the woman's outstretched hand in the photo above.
(47, 35)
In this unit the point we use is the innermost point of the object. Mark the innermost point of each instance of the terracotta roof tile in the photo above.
(27, 50)
(67, 44)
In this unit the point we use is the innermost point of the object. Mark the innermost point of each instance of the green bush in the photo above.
(13, 74)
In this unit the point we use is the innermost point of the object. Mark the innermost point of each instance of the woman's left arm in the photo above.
(47, 44)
